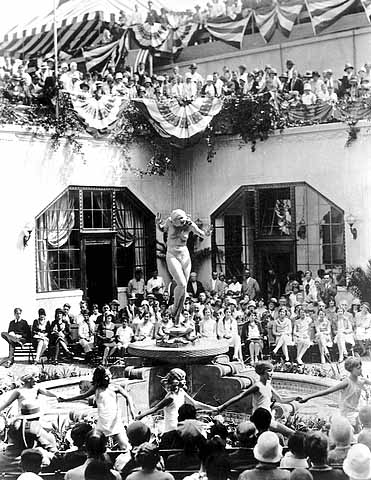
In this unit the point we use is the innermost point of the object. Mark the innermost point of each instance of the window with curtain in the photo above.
(103, 211)
(58, 246)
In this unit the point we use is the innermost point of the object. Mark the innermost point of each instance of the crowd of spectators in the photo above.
(195, 450)
(22, 84)
(303, 314)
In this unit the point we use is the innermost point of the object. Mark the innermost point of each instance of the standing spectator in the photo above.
(137, 286)
(290, 68)
(309, 287)
(156, 285)
(209, 89)
(196, 77)
(250, 286)
(18, 333)
(194, 287)
(345, 81)
(328, 288)
(295, 83)
(189, 90)
(301, 334)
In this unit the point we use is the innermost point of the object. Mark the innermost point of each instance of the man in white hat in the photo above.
(268, 453)
(189, 90)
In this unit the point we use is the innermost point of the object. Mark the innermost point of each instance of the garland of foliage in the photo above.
(253, 118)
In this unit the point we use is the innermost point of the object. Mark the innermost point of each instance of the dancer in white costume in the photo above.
(109, 418)
(178, 227)
(175, 384)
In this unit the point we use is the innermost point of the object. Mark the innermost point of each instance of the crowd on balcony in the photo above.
(289, 88)
(284, 324)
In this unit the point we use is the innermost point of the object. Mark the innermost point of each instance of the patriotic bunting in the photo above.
(228, 31)
(324, 13)
(98, 113)
(181, 124)
(367, 6)
(310, 113)
(178, 38)
(150, 35)
(281, 14)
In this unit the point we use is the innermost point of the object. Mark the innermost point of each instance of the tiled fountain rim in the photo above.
(306, 379)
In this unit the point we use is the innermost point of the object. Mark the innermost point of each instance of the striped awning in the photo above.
(79, 25)
(228, 31)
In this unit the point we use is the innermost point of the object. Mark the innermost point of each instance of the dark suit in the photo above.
(21, 328)
(192, 291)
(295, 85)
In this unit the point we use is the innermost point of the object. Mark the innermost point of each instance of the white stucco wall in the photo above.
(316, 155)
(32, 175)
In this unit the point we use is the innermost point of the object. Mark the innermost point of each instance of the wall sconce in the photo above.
(302, 230)
(27, 234)
(351, 220)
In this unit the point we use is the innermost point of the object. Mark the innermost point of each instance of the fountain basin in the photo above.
(200, 351)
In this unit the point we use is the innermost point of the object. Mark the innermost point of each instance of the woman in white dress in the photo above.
(109, 418)
(175, 385)
(208, 325)
(227, 328)
(344, 332)
(323, 335)
(301, 334)
(362, 334)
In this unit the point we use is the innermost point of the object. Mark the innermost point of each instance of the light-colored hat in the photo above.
(232, 300)
(307, 86)
(161, 78)
(268, 448)
(209, 78)
(347, 66)
(251, 304)
(119, 75)
(188, 75)
(356, 301)
(357, 464)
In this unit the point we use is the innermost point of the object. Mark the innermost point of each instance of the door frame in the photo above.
(98, 239)
(274, 246)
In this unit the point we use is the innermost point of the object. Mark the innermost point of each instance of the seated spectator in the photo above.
(162, 326)
(301, 474)
(31, 460)
(365, 421)
(252, 334)
(137, 433)
(308, 97)
(282, 329)
(98, 470)
(193, 443)
(316, 447)
(268, 453)
(215, 460)
(227, 328)
(145, 328)
(60, 336)
(124, 336)
(40, 334)
(18, 334)
(105, 336)
(296, 456)
(147, 456)
(357, 464)
(341, 434)
(77, 455)
(86, 335)
(208, 325)
(96, 447)
(156, 285)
